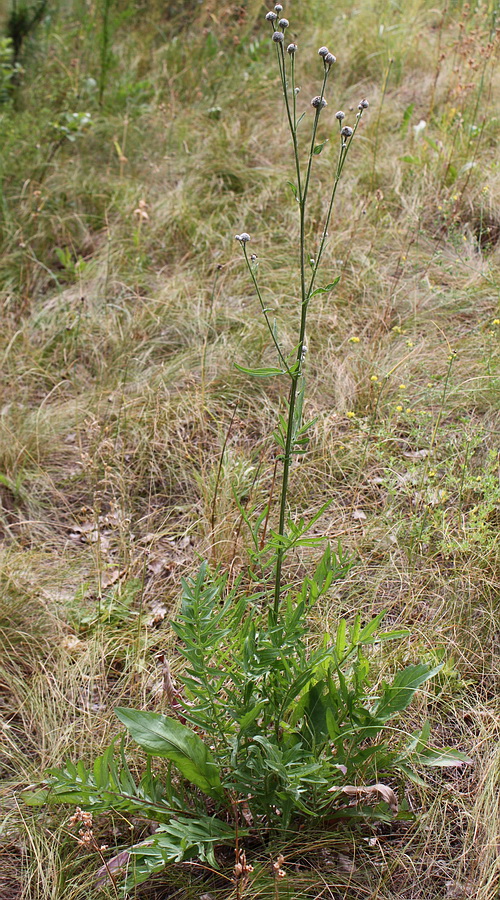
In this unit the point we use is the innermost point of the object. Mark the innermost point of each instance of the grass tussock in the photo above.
(129, 444)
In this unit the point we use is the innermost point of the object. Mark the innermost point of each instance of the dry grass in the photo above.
(125, 430)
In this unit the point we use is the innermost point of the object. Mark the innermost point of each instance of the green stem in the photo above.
(264, 310)
(344, 150)
(287, 458)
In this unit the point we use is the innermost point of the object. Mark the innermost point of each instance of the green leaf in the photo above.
(406, 118)
(398, 695)
(340, 642)
(265, 372)
(318, 148)
(162, 736)
(293, 188)
(369, 630)
(444, 756)
(327, 288)
(180, 839)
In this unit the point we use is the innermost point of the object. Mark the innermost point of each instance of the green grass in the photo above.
(125, 428)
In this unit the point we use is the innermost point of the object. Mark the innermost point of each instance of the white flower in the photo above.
(418, 129)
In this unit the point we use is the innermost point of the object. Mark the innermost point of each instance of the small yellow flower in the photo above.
(432, 473)
(409, 409)
(429, 384)
(496, 321)
(374, 378)
(486, 189)
(351, 415)
(440, 207)
(354, 340)
(403, 257)
(399, 408)
(409, 343)
(464, 237)
(402, 387)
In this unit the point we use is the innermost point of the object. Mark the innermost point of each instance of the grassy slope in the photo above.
(119, 393)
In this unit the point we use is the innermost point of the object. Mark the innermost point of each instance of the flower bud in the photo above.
(291, 49)
(278, 7)
(243, 238)
(271, 16)
(346, 132)
(363, 104)
(323, 51)
(283, 23)
(329, 59)
(278, 37)
(318, 102)
(340, 115)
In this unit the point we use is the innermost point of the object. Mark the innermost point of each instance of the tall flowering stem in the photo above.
(294, 370)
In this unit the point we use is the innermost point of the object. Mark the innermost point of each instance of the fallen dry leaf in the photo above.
(113, 867)
(370, 793)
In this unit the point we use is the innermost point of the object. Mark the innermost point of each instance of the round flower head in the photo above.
(346, 131)
(278, 7)
(291, 49)
(329, 59)
(244, 238)
(283, 23)
(363, 104)
(318, 102)
(340, 115)
(323, 51)
(278, 37)
(271, 16)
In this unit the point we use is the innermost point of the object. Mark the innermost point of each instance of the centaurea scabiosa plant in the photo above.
(292, 434)
(266, 733)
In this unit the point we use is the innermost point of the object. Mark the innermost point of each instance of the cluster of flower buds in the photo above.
(346, 131)
(318, 102)
(278, 867)
(242, 869)
(282, 24)
(85, 832)
(242, 238)
(328, 58)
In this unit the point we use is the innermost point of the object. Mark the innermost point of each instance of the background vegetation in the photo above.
(137, 139)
